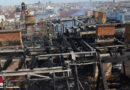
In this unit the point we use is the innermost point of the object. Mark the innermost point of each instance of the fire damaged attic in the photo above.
(86, 52)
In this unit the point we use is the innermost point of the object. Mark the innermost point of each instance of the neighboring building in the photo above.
(17, 16)
(2, 18)
(124, 17)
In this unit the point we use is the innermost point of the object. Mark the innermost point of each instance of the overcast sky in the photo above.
(18, 2)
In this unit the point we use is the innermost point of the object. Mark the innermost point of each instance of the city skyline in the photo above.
(18, 2)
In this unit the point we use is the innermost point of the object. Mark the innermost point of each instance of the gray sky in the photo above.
(18, 2)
